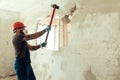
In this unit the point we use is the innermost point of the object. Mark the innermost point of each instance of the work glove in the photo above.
(48, 28)
(43, 44)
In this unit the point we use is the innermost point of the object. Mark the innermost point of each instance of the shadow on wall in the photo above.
(88, 75)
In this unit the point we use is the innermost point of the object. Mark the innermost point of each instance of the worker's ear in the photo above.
(14, 31)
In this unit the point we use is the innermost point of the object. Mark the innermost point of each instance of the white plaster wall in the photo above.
(97, 42)
(7, 18)
(93, 52)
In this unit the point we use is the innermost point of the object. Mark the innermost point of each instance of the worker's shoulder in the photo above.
(18, 36)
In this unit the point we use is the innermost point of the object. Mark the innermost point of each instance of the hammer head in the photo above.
(55, 6)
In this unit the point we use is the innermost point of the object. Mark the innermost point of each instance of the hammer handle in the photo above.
(52, 17)
(50, 23)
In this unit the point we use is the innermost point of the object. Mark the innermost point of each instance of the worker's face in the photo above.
(21, 30)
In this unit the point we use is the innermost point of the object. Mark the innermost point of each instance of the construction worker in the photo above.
(22, 64)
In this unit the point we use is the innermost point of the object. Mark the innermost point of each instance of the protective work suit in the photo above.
(22, 65)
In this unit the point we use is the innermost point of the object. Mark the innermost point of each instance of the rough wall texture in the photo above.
(6, 51)
(98, 45)
(92, 54)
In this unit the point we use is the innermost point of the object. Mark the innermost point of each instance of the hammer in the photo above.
(54, 6)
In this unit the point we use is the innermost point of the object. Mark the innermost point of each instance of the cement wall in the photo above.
(6, 50)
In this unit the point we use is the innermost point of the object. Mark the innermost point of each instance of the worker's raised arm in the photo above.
(35, 35)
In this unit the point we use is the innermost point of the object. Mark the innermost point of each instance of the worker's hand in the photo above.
(48, 28)
(43, 44)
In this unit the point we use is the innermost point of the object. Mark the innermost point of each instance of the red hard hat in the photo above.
(18, 25)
